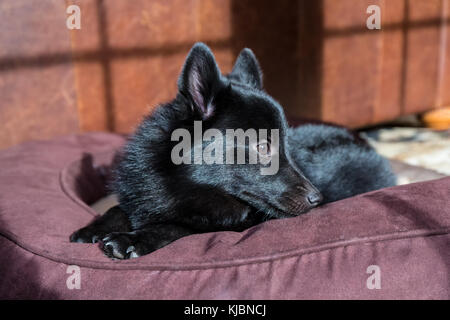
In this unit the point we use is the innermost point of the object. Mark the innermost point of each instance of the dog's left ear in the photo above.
(200, 79)
(247, 69)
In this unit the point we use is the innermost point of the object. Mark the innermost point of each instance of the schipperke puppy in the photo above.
(162, 199)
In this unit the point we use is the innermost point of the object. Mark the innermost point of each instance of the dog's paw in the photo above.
(86, 235)
(121, 245)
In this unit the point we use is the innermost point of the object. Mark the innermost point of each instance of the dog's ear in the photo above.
(200, 79)
(247, 69)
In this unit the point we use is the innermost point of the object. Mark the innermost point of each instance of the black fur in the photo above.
(163, 201)
(338, 162)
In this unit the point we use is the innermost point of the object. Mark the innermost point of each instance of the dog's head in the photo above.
(237, 102)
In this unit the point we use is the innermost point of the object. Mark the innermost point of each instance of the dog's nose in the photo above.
(314, 198)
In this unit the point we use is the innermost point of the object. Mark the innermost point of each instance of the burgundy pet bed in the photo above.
(45, 189)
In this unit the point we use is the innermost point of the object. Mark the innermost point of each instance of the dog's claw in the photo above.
(86, 235)
(131, 251)
(134, 255)
(111, 249)
(119, 245)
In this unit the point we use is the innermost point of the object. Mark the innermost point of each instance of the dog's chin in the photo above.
(279, 212)
(275, 210)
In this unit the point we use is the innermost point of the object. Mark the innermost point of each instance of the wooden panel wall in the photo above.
(319, 59)
(37, 93)
(368, 76)
(131, 52)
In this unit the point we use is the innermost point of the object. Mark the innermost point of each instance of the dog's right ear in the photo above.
(247, 69)
(200, 80)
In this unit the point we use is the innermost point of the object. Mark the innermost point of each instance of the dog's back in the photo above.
(338, 162)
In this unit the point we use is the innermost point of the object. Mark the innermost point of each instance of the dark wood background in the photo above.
(319, 59)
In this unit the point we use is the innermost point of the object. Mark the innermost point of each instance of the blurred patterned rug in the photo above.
(416, 154)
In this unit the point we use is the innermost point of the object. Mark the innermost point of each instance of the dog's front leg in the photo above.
(126, 245)
(114, 220)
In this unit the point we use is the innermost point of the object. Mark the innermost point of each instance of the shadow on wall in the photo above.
(286, 38)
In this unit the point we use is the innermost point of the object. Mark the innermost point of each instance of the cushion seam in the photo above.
(233, 262)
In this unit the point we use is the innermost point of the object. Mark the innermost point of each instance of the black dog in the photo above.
(161, 201)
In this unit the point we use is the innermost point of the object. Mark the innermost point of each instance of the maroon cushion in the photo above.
(44, 188)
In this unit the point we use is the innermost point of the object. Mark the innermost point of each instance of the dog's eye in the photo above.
(263, 148)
